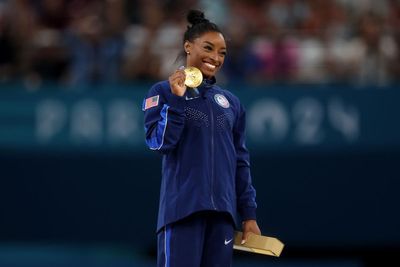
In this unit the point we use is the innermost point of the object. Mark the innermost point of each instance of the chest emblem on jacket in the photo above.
(221, 100)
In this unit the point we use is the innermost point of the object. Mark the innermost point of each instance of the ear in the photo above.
(187, 46)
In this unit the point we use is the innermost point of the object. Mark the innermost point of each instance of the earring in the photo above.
(187, 52)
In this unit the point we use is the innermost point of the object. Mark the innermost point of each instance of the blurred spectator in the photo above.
(373, 53)
(49, 59)
(8, 49)
(154, 45)
(95, 41)
(218, 11)
(394, 30)
(23, 27)
(250, 14)
(277, 59)
(140, 61)
(312, 50)
(51, 13)
(80, 42)
(241, 63)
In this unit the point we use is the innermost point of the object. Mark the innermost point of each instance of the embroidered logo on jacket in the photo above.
(151, 102)
(221, 100)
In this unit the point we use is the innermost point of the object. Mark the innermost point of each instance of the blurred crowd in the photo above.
(90, 42)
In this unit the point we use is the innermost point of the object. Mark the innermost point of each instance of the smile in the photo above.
(210, 66)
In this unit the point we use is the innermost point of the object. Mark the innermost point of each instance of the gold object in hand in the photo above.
(194, 77)
(259, 244)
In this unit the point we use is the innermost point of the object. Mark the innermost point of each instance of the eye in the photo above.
(207, 47)
(223, 53)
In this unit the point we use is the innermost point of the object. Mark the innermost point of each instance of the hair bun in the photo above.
(196, 17)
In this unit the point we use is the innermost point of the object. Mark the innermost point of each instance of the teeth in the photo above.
(210, 65)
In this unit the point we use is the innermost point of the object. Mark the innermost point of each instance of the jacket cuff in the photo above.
(177, 102)
(248, 214)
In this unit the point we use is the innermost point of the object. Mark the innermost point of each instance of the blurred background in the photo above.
(320, 83)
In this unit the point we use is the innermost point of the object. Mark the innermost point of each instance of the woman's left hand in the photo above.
(249, 226)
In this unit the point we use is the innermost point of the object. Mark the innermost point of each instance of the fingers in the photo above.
(177, 82)
(249, 227)
(244, 237)
(178, 77)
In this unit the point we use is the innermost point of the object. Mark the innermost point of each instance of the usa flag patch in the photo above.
(151, 102)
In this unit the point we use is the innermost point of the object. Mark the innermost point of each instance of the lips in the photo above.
(209, 69)
(210, 66)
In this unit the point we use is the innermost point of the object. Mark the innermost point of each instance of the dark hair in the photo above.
(198, 25)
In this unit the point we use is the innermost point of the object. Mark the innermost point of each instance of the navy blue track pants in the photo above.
(204, 239)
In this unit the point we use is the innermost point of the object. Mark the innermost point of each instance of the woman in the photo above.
(206, 183)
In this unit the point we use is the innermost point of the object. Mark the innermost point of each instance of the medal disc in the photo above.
(194, 77)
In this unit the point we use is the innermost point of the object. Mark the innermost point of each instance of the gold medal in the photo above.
(194, 77)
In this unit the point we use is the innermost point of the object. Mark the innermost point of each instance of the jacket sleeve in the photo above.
(164, 118)
(245, 192)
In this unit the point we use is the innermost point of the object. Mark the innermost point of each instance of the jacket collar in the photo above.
(207, 83)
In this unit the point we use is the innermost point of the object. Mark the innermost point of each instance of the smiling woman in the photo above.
(206, 188)
(206, 52)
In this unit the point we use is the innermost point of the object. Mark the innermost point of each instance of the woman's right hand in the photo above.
(177, 82)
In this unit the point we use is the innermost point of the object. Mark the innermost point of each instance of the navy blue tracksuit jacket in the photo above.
(205, 163)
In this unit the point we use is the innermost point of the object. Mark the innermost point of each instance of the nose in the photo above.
(215, 57)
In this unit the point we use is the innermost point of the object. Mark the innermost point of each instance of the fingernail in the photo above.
(181, 67)
(243, 241)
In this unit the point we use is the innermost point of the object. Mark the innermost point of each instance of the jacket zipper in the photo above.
(212, 153)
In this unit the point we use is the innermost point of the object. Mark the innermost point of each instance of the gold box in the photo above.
(259, 244)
